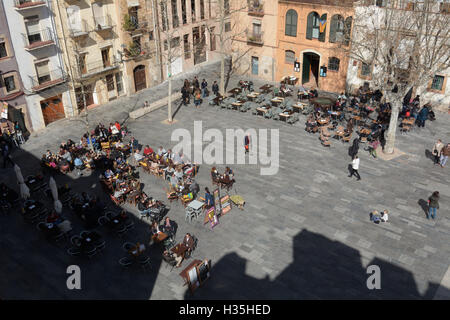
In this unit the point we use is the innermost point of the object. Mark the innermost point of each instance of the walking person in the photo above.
(204, 88)
(247, 143)
(6, 154)
(197, 98)
(445, 152)
(354, 148)
(354, 168)
(437, 149)
(422, 117)
(433, 205)
(215, 88)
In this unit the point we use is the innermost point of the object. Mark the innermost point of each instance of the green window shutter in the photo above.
(333, 28)
(322, 34)
(309, 26)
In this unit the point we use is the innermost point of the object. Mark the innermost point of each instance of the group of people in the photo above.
(197, 90)
(441, 152)
(412, 109)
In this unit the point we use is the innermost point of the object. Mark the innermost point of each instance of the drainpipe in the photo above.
(74, 108)
(157, 42)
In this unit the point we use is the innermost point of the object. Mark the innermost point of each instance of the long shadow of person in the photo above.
(424, 205)
(429, 155)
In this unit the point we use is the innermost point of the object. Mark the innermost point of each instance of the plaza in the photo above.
(304, 233)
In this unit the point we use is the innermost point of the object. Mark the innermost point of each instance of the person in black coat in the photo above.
(354, 148)
(215, 88)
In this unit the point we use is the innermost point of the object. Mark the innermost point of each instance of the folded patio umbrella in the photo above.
(54, 190)
(24, 190)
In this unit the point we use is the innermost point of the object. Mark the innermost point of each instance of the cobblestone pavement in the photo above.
(304, 233)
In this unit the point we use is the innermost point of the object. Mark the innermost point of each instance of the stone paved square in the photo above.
(303, 234)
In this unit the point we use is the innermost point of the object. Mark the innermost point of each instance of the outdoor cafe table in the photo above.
(277, 100)
(266, 88)
(160, 236)
(261, 111)
(284, 116)
(180, 249)
(322, 121)
(253, 95)
(235, 91)
(236, 105)
(357, 119)
(409, 121)
(35, 183)
(298, 107)
(291, 80)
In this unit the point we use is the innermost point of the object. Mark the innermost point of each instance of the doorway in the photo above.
(139, 78)
(310, 72)
(52, 109)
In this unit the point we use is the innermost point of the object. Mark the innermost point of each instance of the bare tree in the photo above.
(405, 44)
(227, 38)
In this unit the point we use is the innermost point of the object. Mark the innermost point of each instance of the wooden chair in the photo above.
(405, 129)
(346, 138)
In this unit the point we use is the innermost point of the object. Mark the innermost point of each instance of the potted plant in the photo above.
(128, 25)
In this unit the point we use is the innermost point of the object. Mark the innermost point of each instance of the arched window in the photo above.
(291, 23)
(333, 64)
(314, 25)
(337, 28)
(289, 57)
(347, 30)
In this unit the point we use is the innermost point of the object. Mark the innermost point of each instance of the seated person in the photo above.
(179, 174)
(147, 150)
(137, 156)
(54, 218)
(177, 158)
(154, 229)
(168, 172)
(374, 216)
(63, 166)
(171, 258)
(384, 216)
(78, 163)
(188, 241)
(214, 174)
(229, 173)
(168, 227)
(137, 249)
(109, 174)
(161, 151)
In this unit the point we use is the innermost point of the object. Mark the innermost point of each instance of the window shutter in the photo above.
(322, 34)
(347, 30)
(333, 28)
(309, 26)
(42, 69)
(32, 27)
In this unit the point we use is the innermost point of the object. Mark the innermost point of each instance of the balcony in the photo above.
(256, 8)
(103, 23)
(255, 38)
(45, 81)
(21, 5)
(97, 67)
(82, 31)
(40, 39)
(131, 24)
(134, 51)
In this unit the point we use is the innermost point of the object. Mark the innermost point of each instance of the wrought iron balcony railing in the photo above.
(255, 37)
(94, 68)
(27, 4)
(39, 39)
(47, 80)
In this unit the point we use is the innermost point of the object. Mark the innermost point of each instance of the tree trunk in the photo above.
(390, 141)
(222, 55)
(169, 103)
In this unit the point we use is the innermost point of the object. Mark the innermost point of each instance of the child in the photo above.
(384, 216)
(375, 217)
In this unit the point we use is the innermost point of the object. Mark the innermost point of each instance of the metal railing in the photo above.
(44, 81)
(83, 30)
(136, 25)
(38, 39)
(103, 23)
(22, 4)
(255, 37)
(96, 67)
(138, 51)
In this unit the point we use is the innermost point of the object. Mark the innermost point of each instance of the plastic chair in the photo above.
(127, 246)
(125, 262)
(144, 261)
(103, 221)
(74, 251)
(100, 246)
(75, 241)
